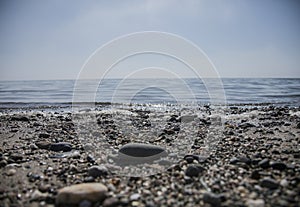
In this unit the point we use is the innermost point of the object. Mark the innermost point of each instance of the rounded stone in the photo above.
(61, 146)
(11, 172)
(193, 170)
(278, 166)
(212, 199)
(97, 171)
(264, 163)
(255, 203)
(75, 194)
(269, 183)
(141, 150)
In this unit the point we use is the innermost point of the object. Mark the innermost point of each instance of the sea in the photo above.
(236, 91)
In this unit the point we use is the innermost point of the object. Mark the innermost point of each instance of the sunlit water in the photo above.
(237, 91)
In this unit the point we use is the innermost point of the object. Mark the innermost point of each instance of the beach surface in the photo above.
(254, 160)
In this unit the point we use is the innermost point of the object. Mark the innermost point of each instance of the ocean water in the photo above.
(237, 91)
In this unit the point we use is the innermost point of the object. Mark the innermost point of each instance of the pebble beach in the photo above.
(255, 162)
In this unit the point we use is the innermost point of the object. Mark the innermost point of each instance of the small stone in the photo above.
(37, 195)
(134, 197)
(189, 158)
(141, 150)
(85, 203)
(75, 194)
(269, 183)
(255, 203)
(236, 160)
(44, 135)
(278, 166)
(111, 202)
(20, 118)
(212, 199)
(233, 160)
(61, 146)
(3, 163)
(264, 163)
(16, 156)
(135, 204)
(43, 144)
(284, 183)
(255, 175)
(33, 177)
(97, 171)
(245, 160)
(90, 159)
(11, 172)
(33, 147)
(246, 125)
(193, 170)
(44, 188)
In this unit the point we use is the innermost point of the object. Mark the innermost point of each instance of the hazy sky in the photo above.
(53, 39)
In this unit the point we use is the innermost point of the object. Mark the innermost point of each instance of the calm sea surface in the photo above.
(237, 91)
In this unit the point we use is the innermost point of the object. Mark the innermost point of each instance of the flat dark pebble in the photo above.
(60, 146)
(269, 183)
(212, 199)
(141, 150)
(97, 171)
(194, 170)
(264, 163)
(278, 166)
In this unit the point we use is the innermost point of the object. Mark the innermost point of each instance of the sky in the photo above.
(53, 39)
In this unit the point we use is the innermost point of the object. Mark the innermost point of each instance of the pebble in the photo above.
(3, 163)
(246, 125)
(85, 203)
(264, 163)
(236, 160)
(255, 203)
(269, 183)
(43, 144)
(255, 175)
(189, 158)
(142, 150)
(111, 202)
(21, 118)
(284, 183)
(212, 199)
(33, 147)
(11, 172)
(193, 170)
(75, 194)
(134, 197)
(90, 158)
(97, 171)
(61, 146)
(278, 166)
(44, 135)
(16, 156)
(37, 195)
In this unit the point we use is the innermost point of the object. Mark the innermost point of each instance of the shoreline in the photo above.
(254, 163)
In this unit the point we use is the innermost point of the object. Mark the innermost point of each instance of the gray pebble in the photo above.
(269, 183)
(193, 170)
(212, 199)
(98, 171)
(111, 202)
(264, 163)
(278, 166)
(141, 150)
(61, 146)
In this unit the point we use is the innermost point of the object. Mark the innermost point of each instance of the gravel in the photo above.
(45, 161)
